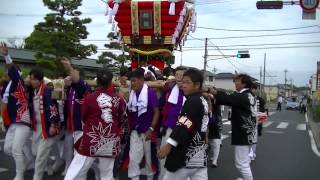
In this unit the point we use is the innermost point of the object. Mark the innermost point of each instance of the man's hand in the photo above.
(3, 49)
(66, 63)
(214, 92)
(148, 135)
(52, 130)
(164, 151)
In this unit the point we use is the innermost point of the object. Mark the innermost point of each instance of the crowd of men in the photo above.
(162, 132)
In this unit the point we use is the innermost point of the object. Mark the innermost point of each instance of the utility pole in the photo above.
(181, 58)
(285, 83)
(291, 80)
(260, 91)
(205, 57)
(264, 71)
(214, 70)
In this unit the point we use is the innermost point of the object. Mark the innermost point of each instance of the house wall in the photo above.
(226, 84)
(271, 92)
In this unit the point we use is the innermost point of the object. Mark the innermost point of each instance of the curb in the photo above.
(315, 129)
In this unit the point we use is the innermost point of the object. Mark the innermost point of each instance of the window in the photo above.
(210, 78)
(146, 19)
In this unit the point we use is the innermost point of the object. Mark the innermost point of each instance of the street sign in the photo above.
(269, 4)
(243, 52)
(309, 16)
(309, 6)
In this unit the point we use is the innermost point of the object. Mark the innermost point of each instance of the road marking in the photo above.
(3, 170)
(227, 123)
(274, 132)
(223, 137)
(302, 127)
(313, 144)
(268, 123)
(306, 117)
(283, 125)
(312, 141)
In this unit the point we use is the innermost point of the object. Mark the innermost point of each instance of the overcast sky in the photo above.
(18, 18)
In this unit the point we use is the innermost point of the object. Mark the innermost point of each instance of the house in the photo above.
(271, 92)
(285, 90)
(26, 59)
(224, 81)
(209, 81)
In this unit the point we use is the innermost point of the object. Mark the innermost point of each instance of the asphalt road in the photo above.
(283, 153)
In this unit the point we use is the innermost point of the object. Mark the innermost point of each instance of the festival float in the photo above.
(152, 29)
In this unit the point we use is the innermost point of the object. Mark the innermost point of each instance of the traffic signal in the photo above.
(269, 4)
(243, 55)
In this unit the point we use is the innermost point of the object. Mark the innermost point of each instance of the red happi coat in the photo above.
(103, 119)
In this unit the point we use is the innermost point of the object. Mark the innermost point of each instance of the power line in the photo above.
(212, 2)
(41, 15)
(271, 77)
(270, 44)
(258, 30)
(263, 35)
(278, 47)
(21, 38)
(224, 55)
(195, 38)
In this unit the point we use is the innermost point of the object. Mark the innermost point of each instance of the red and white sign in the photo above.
(309, 6)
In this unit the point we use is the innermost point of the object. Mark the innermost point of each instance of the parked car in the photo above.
(292, 103)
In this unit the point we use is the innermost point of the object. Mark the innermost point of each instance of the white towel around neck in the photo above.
(174, 95)
(141, 103)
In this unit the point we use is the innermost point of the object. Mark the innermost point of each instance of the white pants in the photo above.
(242, 161)
(43, 150)
(81, 164)
(27, 150)
(56, 153)
(185, 173)
(139, 147)
(69, 140)
(162, 161)
(15, 145)
(215, 145)
(252, 153)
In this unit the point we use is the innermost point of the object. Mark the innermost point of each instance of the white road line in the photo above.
(3, 170)
(223, 137)
(306, 117)
(283, 125)
(268, 123)
(302, 127)
(312, 141)
(227, 123)
(313, 144)
(273, 132)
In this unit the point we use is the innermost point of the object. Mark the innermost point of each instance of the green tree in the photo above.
(59, 35)
(109, 58)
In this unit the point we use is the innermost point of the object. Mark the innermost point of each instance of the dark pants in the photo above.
(303, 109)
(260, 129)
(279, 106)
